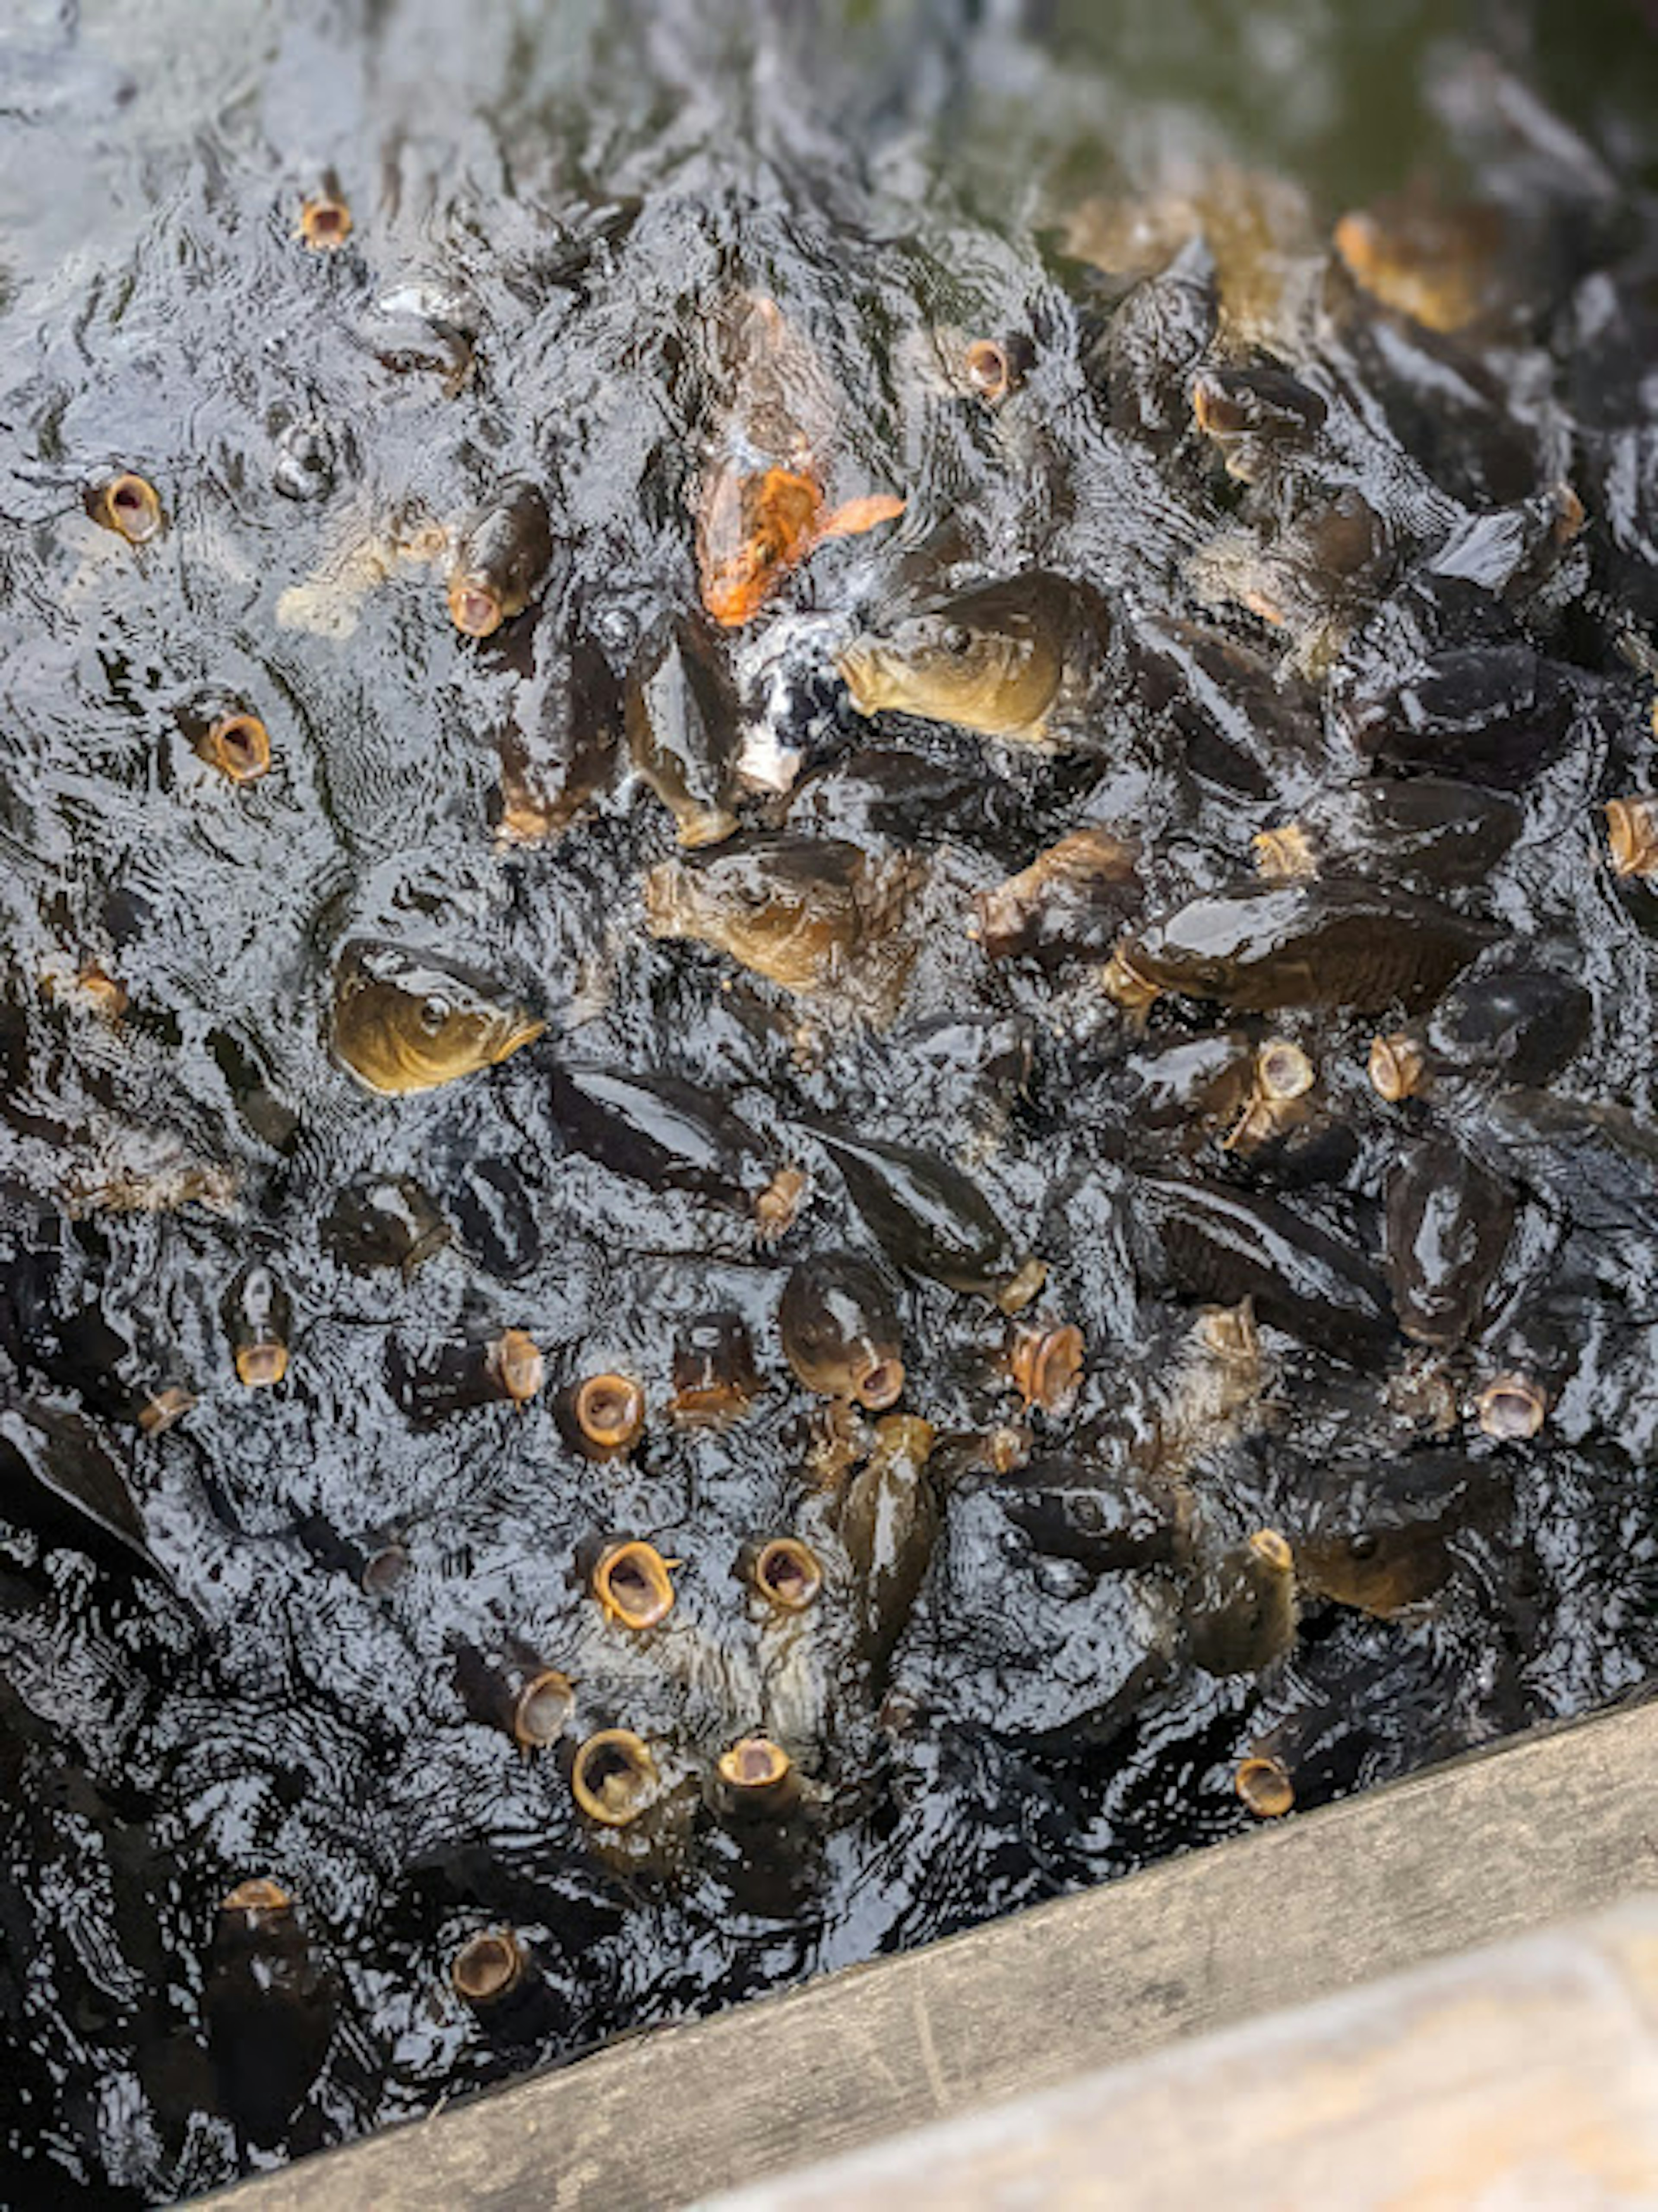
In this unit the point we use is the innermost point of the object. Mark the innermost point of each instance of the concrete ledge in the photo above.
(1522, 2075)
(1549, 1826)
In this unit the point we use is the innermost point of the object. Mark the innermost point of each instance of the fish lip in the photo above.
(857, 667)
(710, 825)
(525, 1032)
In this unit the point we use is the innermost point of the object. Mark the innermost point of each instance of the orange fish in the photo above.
(761, 509)
(755, 528)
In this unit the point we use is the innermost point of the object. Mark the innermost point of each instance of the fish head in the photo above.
(996, 675)
(1163, 957)
(753, 889)
(406, 1020)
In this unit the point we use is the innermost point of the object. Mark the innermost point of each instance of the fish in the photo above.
(888, 792)
(271, 2007)
(1252, 415)
(257, 1317)
(757, 1780)
(602, 1416)
(129, 505)
(406, 1020)
(683, 726)
(384, 1221)
(1518, 1023)
(1441, 265)
(840, 1330)
(493, 1216)
(1488, 713)
(1206, 1241)
(1311, 578)
(1143, 358)
(1376, 1537)
(1187, 1091)
(1069, 904)
(506, 1685)
(716, 1380)
(1260, 946)
(888, 1522)
(761, 506)
(661, 1131)
(1215, 1389)
(1109, 1517)
(430, 1383)
(757, 525)
(1241, 1613)
(559, 751)
(57, 1477)
(1596, 1163)
(1003, 659)
(506, 549)
(802, 912)
(1430, 834)
(1241, 722)
(1449, 1221)
(932, 1220)
(226, 734)
(498, 1977)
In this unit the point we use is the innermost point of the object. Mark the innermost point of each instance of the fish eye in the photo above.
(433, 1013)
(954, 638)
(1363, 1547)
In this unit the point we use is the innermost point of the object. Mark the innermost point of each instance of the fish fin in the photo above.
(860, 515)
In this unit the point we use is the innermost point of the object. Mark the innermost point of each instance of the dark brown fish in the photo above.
(509, 1686)
(889, 1520)
(1069, 904)
(716, 1380)
(840, 1331)
(495, 1975)
(932, 1220)
(1376, 1537)
(1207, 1240)
(1449, 1224)
(685, 729)
(505, 550)
(1107, 1516)
(1241, 1613)
(271, 2006)
(258, 1317)
(60, 1481)
(1429, 833)
(1261, 946)
(662, 1132)
(434, 1382)
(757, 1780)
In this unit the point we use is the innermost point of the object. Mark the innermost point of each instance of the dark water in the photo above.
(551, 206)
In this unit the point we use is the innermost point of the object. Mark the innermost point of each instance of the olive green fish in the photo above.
(999, 660)
(407, 1020)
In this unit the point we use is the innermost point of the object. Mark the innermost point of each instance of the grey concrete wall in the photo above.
(1549, 1826)
(1524, 2076)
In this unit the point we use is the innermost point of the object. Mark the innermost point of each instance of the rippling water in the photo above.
(550, 204)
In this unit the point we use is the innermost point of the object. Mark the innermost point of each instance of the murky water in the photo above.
(1026, 1671)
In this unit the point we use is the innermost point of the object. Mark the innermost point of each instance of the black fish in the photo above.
(659, 1131)
(56, 1478)
(1210, 1242)
(932, 1220)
